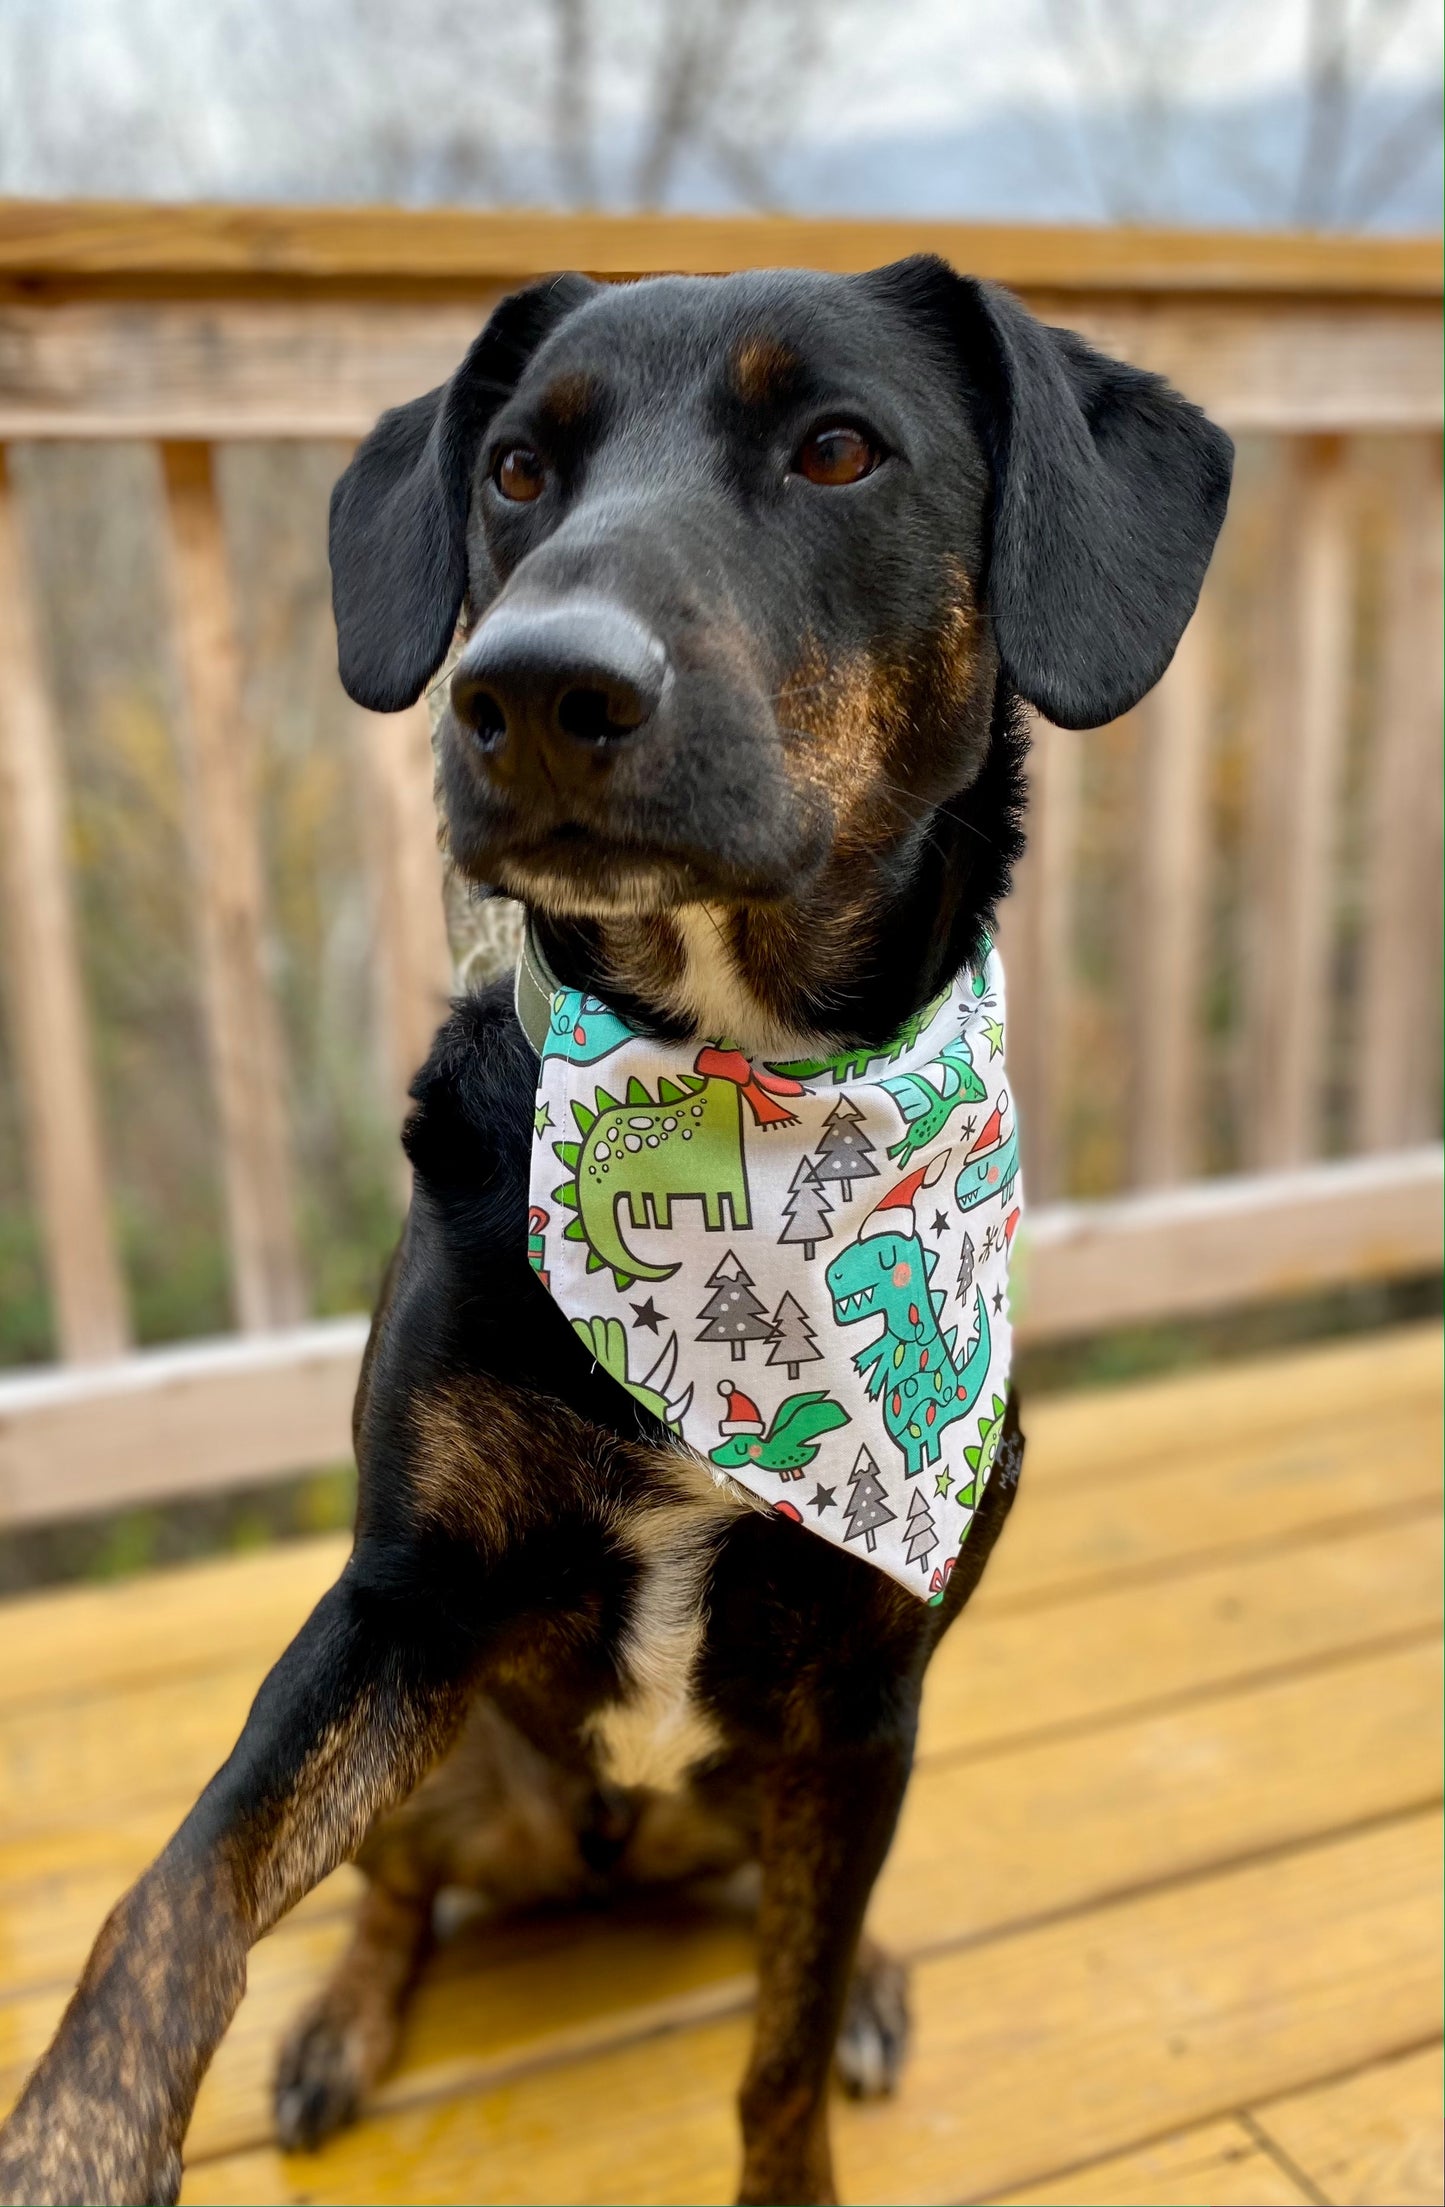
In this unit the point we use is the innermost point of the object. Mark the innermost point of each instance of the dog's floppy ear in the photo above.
(399, 513)
(1109, 490)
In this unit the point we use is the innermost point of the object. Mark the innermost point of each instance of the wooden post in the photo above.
(1299, 755)
(46, 994)
(241, 1023)
(1397, 1053)
(1035, 941)
(412, 966)
(1169, 925)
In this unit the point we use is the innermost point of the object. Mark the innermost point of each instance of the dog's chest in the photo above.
(658, 1728)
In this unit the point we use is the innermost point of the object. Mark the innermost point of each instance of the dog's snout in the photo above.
(578, 678)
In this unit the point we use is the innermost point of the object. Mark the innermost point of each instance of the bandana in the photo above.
(799, 1266)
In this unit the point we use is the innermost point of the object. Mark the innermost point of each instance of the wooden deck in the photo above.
(1170, 1866)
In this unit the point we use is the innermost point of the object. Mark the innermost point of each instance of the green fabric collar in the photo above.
(537, 984)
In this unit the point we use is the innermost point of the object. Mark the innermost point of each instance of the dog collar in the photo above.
(536, 987)
(800, 1267)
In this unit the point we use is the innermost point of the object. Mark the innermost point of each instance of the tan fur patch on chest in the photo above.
(657, 1730)
(713, 995)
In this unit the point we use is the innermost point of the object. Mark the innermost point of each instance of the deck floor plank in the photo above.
(1054, 1827)
(996, 1677)
(1213, 2165)
(1253, 1761)
(1034, 2053)
(1200, 1685)
(1375, 2139)
(1284, 1445)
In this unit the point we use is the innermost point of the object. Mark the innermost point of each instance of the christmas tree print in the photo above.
(793, 1342)
(806, 1209)
(920, 1532)
(733, 1312)
(965, 1266)
(867, 1502)
(845, 1153)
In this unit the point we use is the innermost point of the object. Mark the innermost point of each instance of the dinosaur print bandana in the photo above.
(800, 1267)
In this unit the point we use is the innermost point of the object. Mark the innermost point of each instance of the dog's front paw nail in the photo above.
(873, 2038)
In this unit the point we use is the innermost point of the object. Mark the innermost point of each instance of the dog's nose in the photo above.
(581, 677)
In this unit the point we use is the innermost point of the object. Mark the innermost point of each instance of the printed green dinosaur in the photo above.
(607, 1342)
(853, 1064)
(648, 1155)
(927, 1106)
(980, 1457)
(790, 1442)
(885, 1275)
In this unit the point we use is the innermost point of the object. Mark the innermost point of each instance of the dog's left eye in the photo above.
(836, 455)
(519, 475)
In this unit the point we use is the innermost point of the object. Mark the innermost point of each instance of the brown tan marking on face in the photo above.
(963, 666)
(841, 720)
(861, 726)
(762, 368)
(568, 398)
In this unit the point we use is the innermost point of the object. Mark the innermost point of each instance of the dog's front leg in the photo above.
(826, 1822)
(363, 1700)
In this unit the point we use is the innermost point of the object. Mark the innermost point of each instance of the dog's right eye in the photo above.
(519, 475)
(836, 455)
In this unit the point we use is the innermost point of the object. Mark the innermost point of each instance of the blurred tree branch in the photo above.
(1132, 63)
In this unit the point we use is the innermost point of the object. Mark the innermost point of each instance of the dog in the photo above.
(753, 576)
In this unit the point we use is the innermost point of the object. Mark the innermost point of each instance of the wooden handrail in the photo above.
(210, 1415)
(104, 243)
(200, 328)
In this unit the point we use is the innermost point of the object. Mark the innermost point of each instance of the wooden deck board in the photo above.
(1047, 2048)
(1219, 2162)
(1375, 2139)
(1055, 1827)
(1169, 1865)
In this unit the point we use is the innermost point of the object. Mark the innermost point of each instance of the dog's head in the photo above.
(746, 564)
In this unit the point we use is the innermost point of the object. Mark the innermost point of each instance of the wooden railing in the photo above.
(1243, 1078)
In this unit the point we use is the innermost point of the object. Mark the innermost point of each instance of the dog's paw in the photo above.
(324, 2070)
(873, 2038)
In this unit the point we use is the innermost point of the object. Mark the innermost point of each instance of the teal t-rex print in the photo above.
(991, 1166)
(929, 1098)
(583, 1029)
(913, 1365)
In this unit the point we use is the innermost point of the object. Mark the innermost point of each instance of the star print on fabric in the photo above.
(997, 1301)
(943, 1482)
(648, 1315)
(993, 1029)
(823, 1499)
(940, 1223)
(968, 1130)
(541, 1118)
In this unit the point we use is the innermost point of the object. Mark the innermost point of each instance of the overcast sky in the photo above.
(318, 97)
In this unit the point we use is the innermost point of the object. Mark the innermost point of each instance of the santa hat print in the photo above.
(740, 1414)
(990, 1134)
(894, 1214)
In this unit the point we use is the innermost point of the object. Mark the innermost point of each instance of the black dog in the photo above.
(753, 572)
